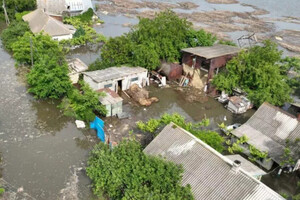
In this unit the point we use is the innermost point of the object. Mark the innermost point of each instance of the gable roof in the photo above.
(210, 174)
(269, 128)
(113, 73)
(40, 21)
(214, 51)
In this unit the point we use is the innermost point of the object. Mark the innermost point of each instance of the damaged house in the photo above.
(210, 174)
(117, 78)
(200, 64)
(268, 130)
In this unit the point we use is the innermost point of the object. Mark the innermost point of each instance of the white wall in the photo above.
(62, 37)
(126, 82)
(74, 77)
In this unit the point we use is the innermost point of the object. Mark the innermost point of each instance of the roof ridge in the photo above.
(59, 23)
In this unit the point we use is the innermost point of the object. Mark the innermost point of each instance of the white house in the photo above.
(116, 78)
(58, 7)
(39, 21)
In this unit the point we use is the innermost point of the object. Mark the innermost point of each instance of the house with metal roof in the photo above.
(116, 78)
(202, 63)
(210, 174)
(39, 21)
(59, 7)
(268, 130)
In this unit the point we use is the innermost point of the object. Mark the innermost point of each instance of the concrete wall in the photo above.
(114, 109)
(62, 37)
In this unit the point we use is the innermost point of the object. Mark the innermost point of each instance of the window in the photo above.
(108, 85)
(134, 79)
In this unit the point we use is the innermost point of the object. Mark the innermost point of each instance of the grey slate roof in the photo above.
(209, 173)
(113, 73)
(214, 51)
(40, 21)
(268, 129)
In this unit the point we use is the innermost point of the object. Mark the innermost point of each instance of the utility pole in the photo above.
(5, 14)
(31, 52)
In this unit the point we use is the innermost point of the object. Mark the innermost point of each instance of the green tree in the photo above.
(41, 45)
(125, 172)
(259, 73)
(12, 32)
(14, 6)
(49, 77)
(82, 104)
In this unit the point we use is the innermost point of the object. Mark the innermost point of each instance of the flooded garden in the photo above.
(44, 154)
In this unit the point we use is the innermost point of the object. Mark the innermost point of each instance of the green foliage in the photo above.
(2, 190)
(12, 32)
(125, 172)
(19, 15)
(49, 77)
(85, 33)
(235, 148)
(258, 72)
(18, 6)
(256, 154)
(85, 17)
(82, 104)
(153, 40)
(210, 137)
(41, 44)
(227, 42)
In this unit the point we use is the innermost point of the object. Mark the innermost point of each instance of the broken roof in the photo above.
(110, 97)
(239, 101)
(40, 21)
(76, 65)
(247, 165)
(114, 73)
(268, 129)
(214, 51)
(209, 173)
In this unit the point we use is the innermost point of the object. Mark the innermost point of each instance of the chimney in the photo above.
(236, 165)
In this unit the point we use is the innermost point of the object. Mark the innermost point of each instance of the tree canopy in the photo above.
(14, 6)
(125, 172)
(259, 73)
(12, 32)
(49, 77)
(152, 40)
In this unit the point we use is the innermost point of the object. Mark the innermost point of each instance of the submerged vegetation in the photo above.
(126, 172)
(152, 40)
(210, 137)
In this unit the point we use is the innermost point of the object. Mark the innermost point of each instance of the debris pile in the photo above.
(141, 95)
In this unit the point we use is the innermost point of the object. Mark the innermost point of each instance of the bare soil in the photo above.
(290, 40)
(222, 1)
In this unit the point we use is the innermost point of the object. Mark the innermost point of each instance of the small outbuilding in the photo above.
(112, 101)
(39, 21)
(117, 78)
(202, 63)
(76, 67)
(239, 104)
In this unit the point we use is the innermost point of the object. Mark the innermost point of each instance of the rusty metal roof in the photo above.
(214, 51)
(269, 128)
(210, 174)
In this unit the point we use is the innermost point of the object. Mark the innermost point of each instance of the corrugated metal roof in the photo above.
(113, 73)
(209, 173)
(269, 128)
(40, 21)
(214, 51)
(111, 97)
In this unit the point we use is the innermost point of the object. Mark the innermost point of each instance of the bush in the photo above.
(210, 137)
(126, 172)
(19, 15)
(82, 105)
(49, 77)
(11, 34)
(2, 190)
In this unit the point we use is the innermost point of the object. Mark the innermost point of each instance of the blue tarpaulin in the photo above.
(98, 125)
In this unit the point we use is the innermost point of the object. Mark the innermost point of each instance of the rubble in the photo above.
(141, 95)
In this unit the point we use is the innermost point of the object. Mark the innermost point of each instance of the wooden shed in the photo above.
(203, 63)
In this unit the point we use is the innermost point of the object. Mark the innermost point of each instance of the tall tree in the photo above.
(259, 73)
